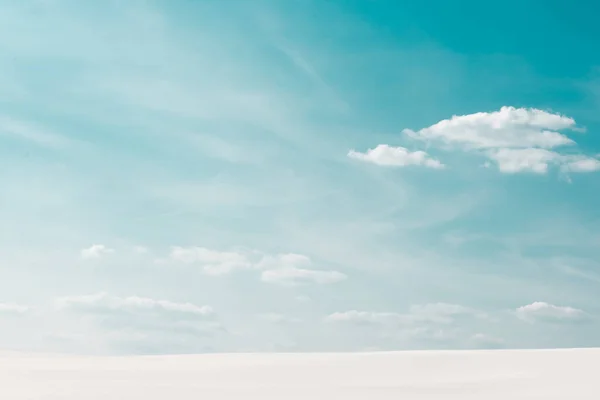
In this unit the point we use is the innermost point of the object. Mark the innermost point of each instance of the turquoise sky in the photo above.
(192, 176)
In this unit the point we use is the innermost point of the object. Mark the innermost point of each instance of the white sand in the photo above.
(485, 375)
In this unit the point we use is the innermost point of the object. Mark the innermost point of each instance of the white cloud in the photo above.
(283, 260)
(516, 139)
(366, 317)
(283, 269)
(213, 262)
(442, 312)
(386, 155)
(581, 164)
(303, 298)
(103, 303)
(13, 309)
(524, 160)
(509, 127)
(436, 313)
(297, 276)
(96, 251)
(541, 311)
(294, 269)
(279, 318)
(538, 160)
(141, 250)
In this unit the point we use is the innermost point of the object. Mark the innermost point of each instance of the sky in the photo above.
(298, 176)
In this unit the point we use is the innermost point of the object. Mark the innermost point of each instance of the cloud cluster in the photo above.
(287, 269)
(542, 311)
(281, 269)
(514, 139)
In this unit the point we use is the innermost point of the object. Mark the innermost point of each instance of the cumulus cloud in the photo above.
(386, 155)
(95, 251)
(13, 309)
(541, 311)
(509, 127)
(516, 140)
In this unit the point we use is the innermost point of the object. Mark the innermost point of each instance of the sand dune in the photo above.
(481, 375)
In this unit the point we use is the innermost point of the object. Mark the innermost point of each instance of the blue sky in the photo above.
(192, 176)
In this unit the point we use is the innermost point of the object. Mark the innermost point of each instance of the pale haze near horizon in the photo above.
(476, 375)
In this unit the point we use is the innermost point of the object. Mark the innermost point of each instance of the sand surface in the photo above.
(483, 375)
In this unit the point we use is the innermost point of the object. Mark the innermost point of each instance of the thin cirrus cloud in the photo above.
(516, 140)
(31, 133)
(542, 311)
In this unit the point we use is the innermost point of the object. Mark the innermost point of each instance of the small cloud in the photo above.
(213, 262)
(433, 313)
(103, 303)
(386, 155)
(581, 164)
(296, 276)
(541, 311)
(294, 269)
(303, 298)
(279, 318)
(365, 317)
(538, 161)
(140, 250)
(13, 309)
(284, 269)
(95, 251)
